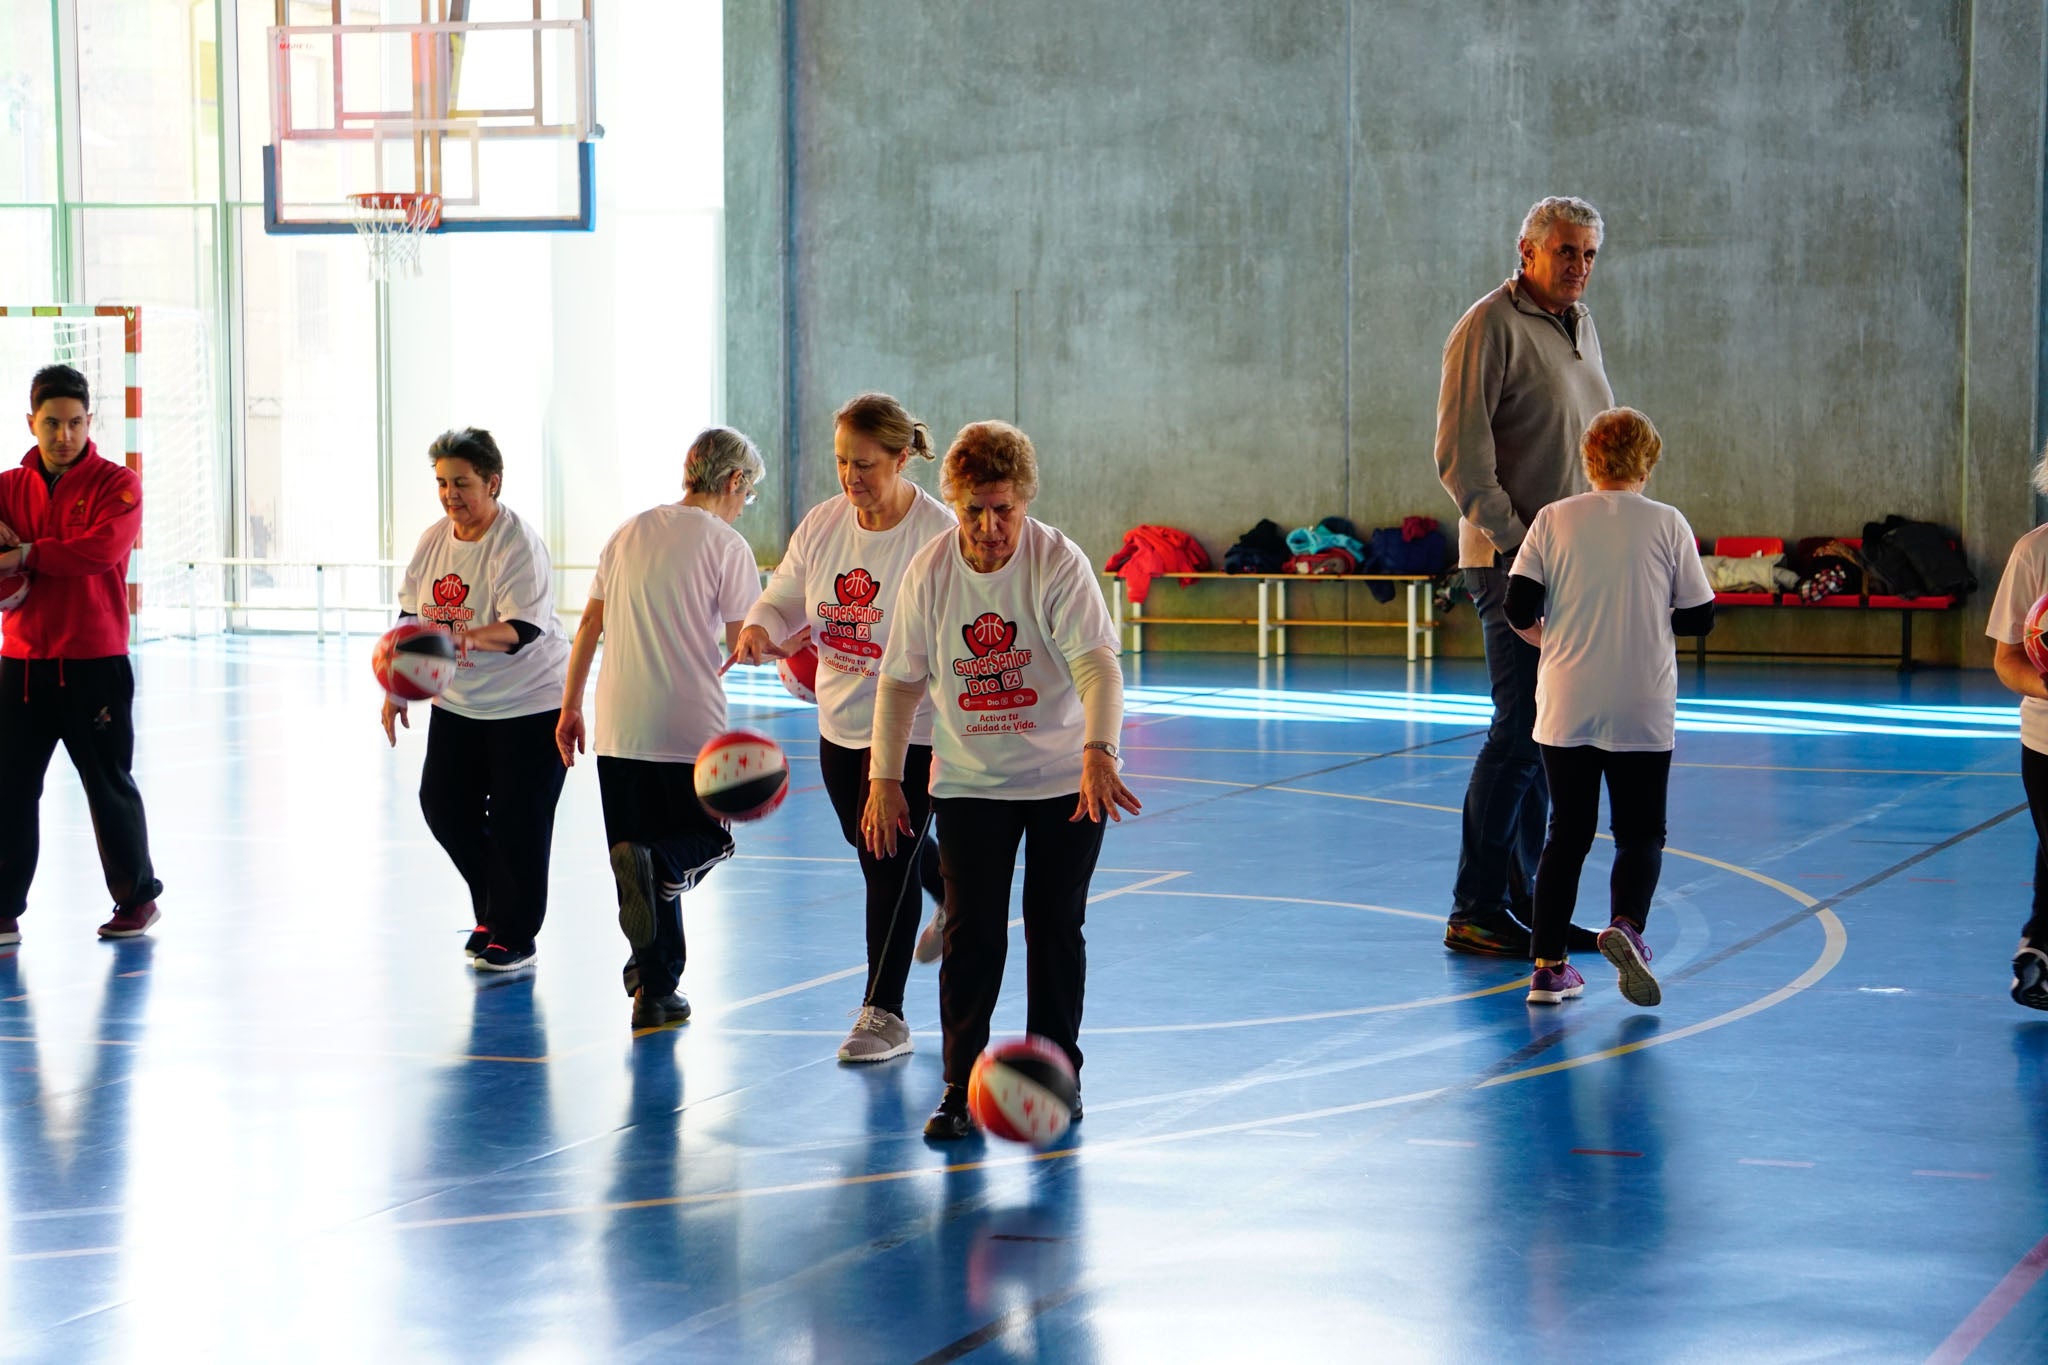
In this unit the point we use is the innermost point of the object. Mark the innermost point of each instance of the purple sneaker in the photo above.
(1554, 985)
(1624, 947)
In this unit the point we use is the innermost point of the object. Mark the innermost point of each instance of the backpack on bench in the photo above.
(1916, 558)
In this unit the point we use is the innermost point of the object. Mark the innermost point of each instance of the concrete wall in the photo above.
(1207, 253)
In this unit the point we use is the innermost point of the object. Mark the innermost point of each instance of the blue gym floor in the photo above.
(294, 1125)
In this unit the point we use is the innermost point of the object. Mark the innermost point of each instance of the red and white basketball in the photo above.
(1023, 1090)
(2037, 623)
(741, 775)
(414, 661)
(800, 673)
(13, 590)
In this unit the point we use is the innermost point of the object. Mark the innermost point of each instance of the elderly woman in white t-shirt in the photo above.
(672, 586)
(2022, 585)
(840, 576)
(1603, 584)
(1002, 627)
(491, 777)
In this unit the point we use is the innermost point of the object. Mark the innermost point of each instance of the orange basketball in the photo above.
(2030, 635)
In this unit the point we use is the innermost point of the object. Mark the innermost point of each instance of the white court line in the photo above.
(830, 977)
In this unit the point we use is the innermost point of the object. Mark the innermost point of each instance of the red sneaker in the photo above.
(131, 923)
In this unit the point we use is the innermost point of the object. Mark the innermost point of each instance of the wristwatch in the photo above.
(1101, 744)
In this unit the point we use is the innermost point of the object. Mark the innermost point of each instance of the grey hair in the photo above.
(715, 456)
(1546, 214)
(2041, 473)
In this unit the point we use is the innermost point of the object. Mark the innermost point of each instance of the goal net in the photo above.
(152, 376)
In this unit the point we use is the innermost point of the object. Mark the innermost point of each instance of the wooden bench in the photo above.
(1770, 547)
(1272, 621)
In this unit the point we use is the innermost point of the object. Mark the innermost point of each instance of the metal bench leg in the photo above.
(1265, 616)
(1905, 642)
(1411, 622)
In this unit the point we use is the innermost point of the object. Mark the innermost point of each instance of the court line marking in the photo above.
(1985, 1317)
(1772, 1161)
(1467, 758)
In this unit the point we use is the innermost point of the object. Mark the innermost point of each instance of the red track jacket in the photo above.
(82, 530)
(1149, 552)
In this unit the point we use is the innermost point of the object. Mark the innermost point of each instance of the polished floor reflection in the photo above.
(293, 1124)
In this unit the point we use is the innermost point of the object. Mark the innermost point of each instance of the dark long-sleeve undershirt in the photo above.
(1525, 608)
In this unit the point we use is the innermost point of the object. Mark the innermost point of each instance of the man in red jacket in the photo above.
(68, 519)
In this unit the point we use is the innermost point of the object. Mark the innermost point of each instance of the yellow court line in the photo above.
(1295, 900)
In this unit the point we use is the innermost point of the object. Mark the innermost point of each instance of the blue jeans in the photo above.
(1507, 803)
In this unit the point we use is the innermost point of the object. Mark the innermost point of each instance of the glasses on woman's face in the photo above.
(752, 493)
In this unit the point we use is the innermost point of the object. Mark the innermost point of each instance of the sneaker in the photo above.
(1077, 1106)
(950, 1121)
(1488, 938)
(1624, 947)
(10, 931)
(877, 1036)
(633, 869)
(665, 1012)
(131, 923)
(931, 944)
(478, 940)
(1554, 985)
(2030, 976)
(498, 958)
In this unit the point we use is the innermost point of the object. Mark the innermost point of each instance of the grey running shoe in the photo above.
(932, 942)
(649, 1012)
(877, 1036)
(633, 869)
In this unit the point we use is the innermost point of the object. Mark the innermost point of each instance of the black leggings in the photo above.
(978, 841)
(2034, 777)
(488, 789)
(889, 941)
(1636, 787)
(655, 804)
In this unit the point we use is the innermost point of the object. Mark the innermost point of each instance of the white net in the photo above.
(182, 509)
(391, 227)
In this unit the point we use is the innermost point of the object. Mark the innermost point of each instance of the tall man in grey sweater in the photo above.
(1522, 378)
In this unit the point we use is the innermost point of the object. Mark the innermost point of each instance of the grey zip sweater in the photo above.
(1519, 387)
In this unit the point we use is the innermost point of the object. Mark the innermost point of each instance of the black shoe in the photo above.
(478, 940)
(2030, 977)
(1580, 941)
(666, 1012)
(950, 1121)
(633, 869)
(1500, 937)
(498, 958)
(1077, 1105)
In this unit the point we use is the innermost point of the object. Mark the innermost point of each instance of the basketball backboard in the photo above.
(488, 104)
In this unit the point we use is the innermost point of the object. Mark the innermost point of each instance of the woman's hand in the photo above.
(1532, 636)
(569, 735)
(1102, 790)
(753, 647)
(886, 816)
(394, 709)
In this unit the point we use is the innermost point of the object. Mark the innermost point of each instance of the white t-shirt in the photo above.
(992, 651)
(505, 576)
(2026, 578)
(1613, 566)
(670, 578)
(843, 581)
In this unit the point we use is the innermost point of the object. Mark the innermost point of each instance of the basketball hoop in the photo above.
(391, 225)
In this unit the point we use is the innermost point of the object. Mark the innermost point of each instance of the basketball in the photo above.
(13, 590)
(413, 661)
(741, 775)
(1023, 1090)
(2037, 648)
(800, 673)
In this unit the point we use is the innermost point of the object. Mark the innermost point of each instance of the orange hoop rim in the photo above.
(421, 212)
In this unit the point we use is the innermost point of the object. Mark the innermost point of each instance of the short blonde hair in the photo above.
(1620, 446)
(884, 421)
(985, 453)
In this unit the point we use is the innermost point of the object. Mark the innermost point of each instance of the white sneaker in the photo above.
(932, 942)
(877, 1036)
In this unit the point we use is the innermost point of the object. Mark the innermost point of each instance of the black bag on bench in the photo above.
(1917, 558)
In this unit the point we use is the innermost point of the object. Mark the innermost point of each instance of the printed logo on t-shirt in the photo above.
(450, 592)
(994, 673)
(850, 622)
